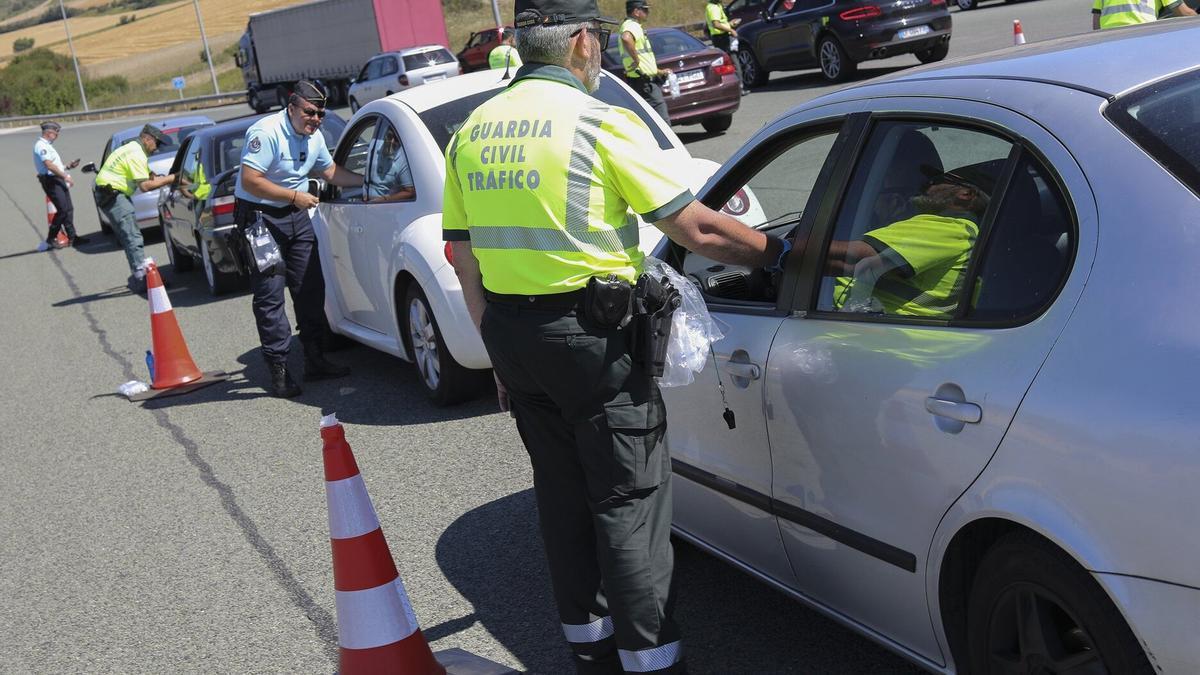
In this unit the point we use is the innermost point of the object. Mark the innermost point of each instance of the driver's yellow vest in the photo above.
(646, 65)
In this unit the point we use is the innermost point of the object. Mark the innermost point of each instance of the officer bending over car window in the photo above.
(281, 152)
(546, 250)
(916, 266)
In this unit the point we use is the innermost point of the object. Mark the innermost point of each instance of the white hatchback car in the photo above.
(389, 283)
(391, 72)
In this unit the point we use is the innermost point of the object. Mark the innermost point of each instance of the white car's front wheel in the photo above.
(444, 380)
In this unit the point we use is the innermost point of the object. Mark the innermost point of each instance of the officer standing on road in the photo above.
(281, 152)
(539, 185)
(722, 33)
(125, 171)
(637, 56)
(56, 183)
(1115, 13)
(505, 54)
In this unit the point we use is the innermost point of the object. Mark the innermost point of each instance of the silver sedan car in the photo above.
(965, 416)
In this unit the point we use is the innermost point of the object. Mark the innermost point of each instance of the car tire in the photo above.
(753, 74)
(181, 260)
(935, 53)
(354, 106)
(1024, 577)
(219, 283)
(965, 5)
(257, 104)
(717, 123)
(836, 64)
(444, 380)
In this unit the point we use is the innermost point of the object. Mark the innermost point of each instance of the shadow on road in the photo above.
(731, 623)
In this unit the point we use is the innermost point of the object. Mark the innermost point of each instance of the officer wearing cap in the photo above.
(125, 171)
(637, 56)
(534, 232)
(505, 54)
(56, 183)
(281, 152)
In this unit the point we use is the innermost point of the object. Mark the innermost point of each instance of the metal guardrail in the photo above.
(194, 101)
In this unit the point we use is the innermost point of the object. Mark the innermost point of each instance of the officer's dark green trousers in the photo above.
(593, 425)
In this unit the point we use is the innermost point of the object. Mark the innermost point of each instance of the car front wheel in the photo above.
(836, 64)
(717, 123)
(444, 380)
(1033, 609)
(967, 4)
(753, 75)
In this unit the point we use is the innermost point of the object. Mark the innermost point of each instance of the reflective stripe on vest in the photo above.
(1127, 14)
(646, 64)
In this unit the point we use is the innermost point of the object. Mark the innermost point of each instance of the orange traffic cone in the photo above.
(173, 363)
(51, 211)
(377, 629)
(1018, 34)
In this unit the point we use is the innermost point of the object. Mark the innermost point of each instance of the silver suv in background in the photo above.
(391, 72)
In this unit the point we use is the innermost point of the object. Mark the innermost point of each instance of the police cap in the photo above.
(556, 12)
(982, 175)
(631, 5)
(311, 92)
(154, 132)
(51, 126)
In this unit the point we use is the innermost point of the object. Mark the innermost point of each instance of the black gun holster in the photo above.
(655, 302)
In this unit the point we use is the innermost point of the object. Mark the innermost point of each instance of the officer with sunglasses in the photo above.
(280, 153)
(542, 183)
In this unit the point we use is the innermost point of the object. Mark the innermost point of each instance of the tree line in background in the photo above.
(42, 82)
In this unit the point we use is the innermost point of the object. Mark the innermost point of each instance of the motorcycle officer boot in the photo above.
(317, 367)
(282, 384)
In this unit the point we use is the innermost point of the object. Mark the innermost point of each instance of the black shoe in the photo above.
(317, 367)
(79, 240)
(282, 384)
(53, 243)
(136, 285)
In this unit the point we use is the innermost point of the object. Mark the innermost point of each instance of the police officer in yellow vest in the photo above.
(505, 54)
(918, 265)
(1115, 13)
(125, 171)
(637, 56)
(540, 184)
(723, 32)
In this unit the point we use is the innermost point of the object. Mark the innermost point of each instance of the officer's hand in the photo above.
(501, 393)
(70, 183)
(305, 200)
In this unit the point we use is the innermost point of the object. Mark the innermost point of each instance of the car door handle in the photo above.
(746, 371)
(358, 229)
(961, 411)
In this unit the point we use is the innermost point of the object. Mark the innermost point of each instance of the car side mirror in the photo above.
(90, 167)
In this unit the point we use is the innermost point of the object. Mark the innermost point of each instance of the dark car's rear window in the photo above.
(1164, 119)
(443, 120)
(674, 43)
(426, 59)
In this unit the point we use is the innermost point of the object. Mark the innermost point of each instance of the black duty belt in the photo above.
(268, 210)
(568, 300)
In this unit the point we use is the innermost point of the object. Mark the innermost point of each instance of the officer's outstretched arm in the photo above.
(723, 238)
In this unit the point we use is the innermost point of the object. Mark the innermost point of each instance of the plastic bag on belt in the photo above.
(692, 329)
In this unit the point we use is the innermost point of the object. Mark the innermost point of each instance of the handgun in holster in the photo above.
(654, 305)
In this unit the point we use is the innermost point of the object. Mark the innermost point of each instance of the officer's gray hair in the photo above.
(546, 44)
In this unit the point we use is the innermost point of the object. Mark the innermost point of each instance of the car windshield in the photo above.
(673, 43)
(1164, 119)
(443, 120)
(433, 57)
(177, 136)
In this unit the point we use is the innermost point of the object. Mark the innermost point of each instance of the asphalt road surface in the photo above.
(190, 534)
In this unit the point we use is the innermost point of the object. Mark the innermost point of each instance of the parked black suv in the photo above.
(835, 35)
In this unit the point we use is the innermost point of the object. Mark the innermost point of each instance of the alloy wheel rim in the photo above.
(1031, 631)
(749, 67)
(424, 344)
(831, 62)
(209, 272)
(965, 4)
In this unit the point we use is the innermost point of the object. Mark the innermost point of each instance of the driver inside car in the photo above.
(391, 178)
(916, 266)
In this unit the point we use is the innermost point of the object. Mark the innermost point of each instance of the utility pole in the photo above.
(74, 59)
(496, 15)
(212, 70)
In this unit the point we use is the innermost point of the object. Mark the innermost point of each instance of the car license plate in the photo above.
(434, 78)
(690, 76)
(913, 32)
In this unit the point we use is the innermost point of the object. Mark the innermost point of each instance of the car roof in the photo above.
(173, 122)
(1106, 63)
(412, 50)
(431, 95)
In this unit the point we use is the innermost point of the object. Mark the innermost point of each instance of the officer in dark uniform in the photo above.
(56, 183)
(546, 250)
(281, 152)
